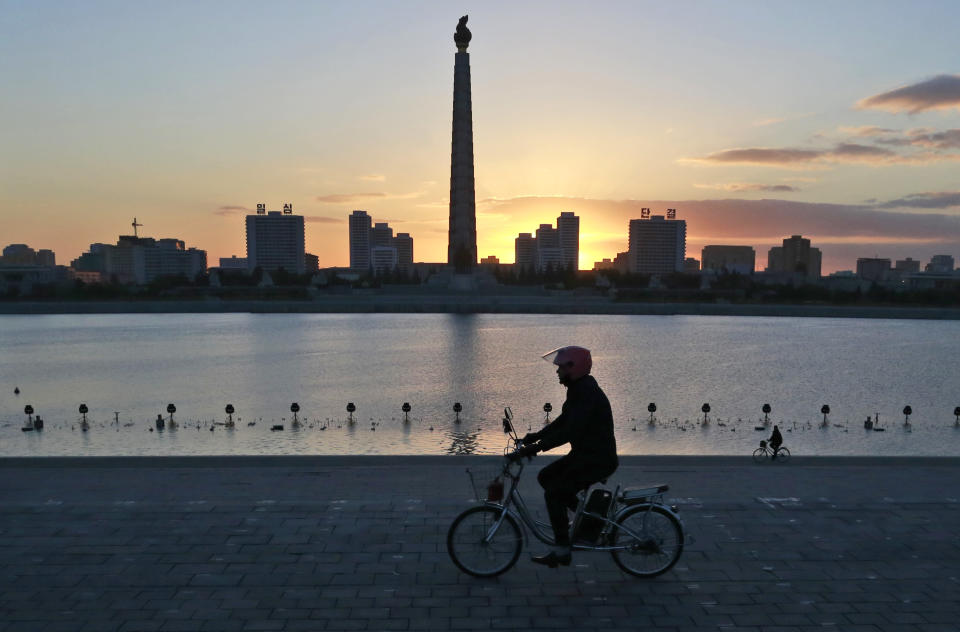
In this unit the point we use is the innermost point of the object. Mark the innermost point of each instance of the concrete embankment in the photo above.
(471, 304)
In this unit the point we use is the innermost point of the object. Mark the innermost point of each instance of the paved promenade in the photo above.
(358, 543)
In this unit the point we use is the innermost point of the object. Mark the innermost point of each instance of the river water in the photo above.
(135, 365)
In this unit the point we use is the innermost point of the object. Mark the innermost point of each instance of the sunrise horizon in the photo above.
(575, 111)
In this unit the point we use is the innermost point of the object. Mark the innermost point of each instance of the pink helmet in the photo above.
(576, 359)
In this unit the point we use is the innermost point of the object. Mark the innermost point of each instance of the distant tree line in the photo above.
(676, 287)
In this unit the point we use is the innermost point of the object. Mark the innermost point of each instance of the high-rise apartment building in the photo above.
(907, 266)
(940, 264)
(359, 226)
(376, 248)
(525, 251)
(568, 230)
(22, 254)
(873, 269)
(403, 242)
(549, 255)
(381, 235)
(140, 260)
(657, 245)
(383, 259)
(739, 259)
(552, 248)
(276, 240)
(795, 256)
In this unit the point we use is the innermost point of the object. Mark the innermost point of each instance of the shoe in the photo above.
(552, 560)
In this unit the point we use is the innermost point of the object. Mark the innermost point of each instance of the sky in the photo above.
(755, 120)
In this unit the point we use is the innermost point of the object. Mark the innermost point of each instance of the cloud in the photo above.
(853, 152)
(931, 200)
(774, 120)
(864, 131)
(372, 178)
(768, 121)
(231, 210)
(319, 219)
(940, 92)
(764, 156)
(925, 137)
(341, 198)
(739, 219)
(947, 139)
(790, 158)
(843, 232)
(736, 187)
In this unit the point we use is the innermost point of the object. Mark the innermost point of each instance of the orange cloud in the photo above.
(764, 156)
(744, 187)
(846, 231)
(847, 153)
(866, 131)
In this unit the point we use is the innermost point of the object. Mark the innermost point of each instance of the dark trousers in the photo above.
(561, 480)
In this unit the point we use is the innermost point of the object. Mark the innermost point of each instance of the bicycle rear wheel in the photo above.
(658, 545)
(783, 455)
(470, 550)
(760, 455)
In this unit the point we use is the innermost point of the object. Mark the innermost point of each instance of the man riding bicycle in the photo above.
(586, 423)
(776, 440)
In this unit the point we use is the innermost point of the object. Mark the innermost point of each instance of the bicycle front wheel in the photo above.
(656, 545)
(760, 455)
(477, 549)
(783, 455)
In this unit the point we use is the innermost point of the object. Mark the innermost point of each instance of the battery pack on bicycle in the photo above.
(587, 529)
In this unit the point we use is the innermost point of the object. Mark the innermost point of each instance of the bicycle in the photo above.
(644, 535)
(765, 453)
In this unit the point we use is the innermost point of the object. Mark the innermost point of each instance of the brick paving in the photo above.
(358, 543)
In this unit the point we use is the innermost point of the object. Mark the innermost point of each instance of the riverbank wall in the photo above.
(473, 304)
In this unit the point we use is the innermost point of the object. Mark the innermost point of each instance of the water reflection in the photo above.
(260, 363)
(462, 442)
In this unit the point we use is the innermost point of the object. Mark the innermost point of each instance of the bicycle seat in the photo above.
(640, 494)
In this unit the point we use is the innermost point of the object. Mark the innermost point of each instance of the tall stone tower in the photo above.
(462, 244)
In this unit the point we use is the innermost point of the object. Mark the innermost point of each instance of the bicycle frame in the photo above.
(515, 505)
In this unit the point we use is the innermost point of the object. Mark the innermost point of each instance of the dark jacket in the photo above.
(776, 439)
(586, 423)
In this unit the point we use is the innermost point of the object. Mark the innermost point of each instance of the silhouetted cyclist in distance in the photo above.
(586, 423)
(776, 440)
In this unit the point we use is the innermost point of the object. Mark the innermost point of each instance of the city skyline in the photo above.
(829, 133)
